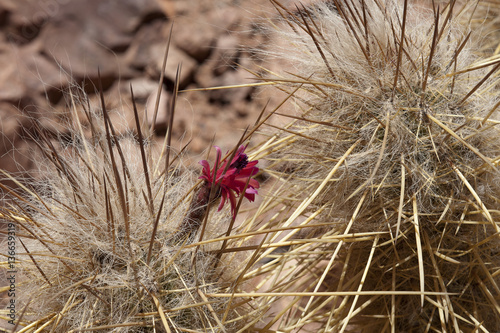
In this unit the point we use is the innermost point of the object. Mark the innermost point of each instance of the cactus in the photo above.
(393, 154)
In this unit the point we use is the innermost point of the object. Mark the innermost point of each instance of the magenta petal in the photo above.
(251, 190)
(250, 194)
(237, 182)
(252, 163)
(219, 152)
(250, 197)
(253, 183)
(248, 173)
(206, 170)
(229, 172)
(240, 150)
(205, 164)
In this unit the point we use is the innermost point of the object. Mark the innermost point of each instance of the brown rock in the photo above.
(168, 7)
(148, 50)
(10, 120)
(125, 15)
(27, 18)
(190, 7)
(83, 36)
(5, 8)
(138, 55)
(26, 73)
(223, 58)
(110, 22)
(122, 17)
(226, 54)
(228, 18)
(162, 113)
(11, 143)
(78, 53)
(233, 95)
(195, 37)
(143, 87)
(175, 58)
(11, 87)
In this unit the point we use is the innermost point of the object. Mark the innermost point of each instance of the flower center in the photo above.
(240, 163)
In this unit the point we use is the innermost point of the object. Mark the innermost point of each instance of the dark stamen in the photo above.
(240, 163)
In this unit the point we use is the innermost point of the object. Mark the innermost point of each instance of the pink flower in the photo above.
(233, 181)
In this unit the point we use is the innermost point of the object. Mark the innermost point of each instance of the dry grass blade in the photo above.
(356, 297)
(315, 40)
(258, 84)
(155, 229)
(171, 120)
(479, 84)
(401, 199)
(221, 326)
(431, 53)
(484, 210)
(36, 265)
(339, 293)
(162, 314)
(401, 46)
(337, 249)
(160, 80)
(377, 165)
(418, 240)
(143, 152)
(453, 134)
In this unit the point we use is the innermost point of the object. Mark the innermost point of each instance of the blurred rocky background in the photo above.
(48, 47)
